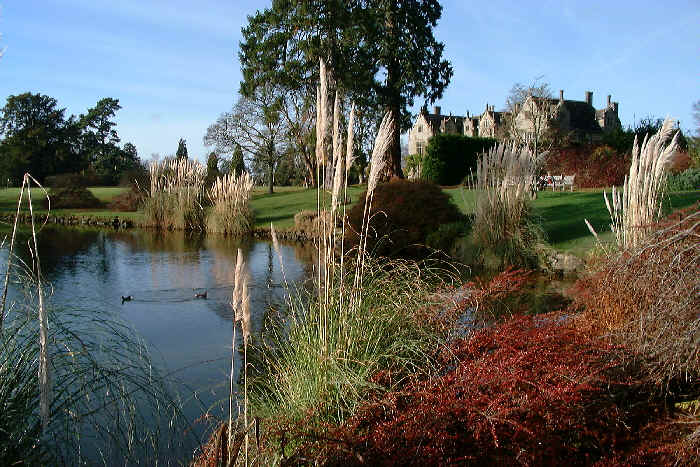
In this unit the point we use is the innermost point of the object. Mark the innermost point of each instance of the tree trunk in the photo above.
(394, 151)
(271, 178)
(394, 100)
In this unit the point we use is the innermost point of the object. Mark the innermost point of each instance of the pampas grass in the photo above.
(230, 197)
(504, 177)
(634, 208)
(176, 195)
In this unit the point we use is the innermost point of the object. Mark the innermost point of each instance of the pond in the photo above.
(189, 338)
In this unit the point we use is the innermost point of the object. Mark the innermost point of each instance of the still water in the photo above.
(189, 338)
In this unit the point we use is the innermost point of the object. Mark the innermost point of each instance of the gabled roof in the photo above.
(435, 120)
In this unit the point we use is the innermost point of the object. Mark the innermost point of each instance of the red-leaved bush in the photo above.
(529, 391)
(594, 166)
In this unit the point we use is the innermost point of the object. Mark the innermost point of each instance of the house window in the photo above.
(420, 128)
(419, 147)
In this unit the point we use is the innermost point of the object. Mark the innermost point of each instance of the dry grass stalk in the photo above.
(637, 206)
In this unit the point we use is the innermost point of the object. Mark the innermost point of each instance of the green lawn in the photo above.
(280, 207)
(8, 203)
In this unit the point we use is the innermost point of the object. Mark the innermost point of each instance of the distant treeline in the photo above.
(37, 137)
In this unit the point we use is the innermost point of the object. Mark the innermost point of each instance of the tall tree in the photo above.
(33, 129)
(410, 58)
(181, 153)
(100, 136)
(382, 52)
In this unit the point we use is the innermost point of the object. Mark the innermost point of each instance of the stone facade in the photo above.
(578, 119)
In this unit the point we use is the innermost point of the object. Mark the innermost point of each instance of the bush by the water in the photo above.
(449, 158)
(403, 214)
(130, 200)
(74, 197)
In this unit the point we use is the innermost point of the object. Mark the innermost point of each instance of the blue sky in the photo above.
(173, 64)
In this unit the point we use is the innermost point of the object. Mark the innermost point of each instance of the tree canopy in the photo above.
(39, 139)
(382, 52)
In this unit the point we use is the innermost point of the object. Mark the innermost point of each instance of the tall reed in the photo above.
(504, 177)
(637, 205)
(230, 213)
(176, 195)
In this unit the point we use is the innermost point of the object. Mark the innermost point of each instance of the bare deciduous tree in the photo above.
(255, 123)
(533, 112)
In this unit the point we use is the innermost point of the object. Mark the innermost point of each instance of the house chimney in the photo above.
(436, 110)
(609, 97)
(589, 97)
(561, 95)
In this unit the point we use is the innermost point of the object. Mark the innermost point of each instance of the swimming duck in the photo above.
(128, 298)
(201, 295)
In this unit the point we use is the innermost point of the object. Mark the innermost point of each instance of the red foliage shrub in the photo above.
(403, 214)
(594, 166)
(529, 391)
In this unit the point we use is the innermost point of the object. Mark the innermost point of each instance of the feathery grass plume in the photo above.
(337, 155)
(177, 194)
(381, 145)
(502, 222)
(230, 197)
(350, 155)
(638, 205)
(322, 115)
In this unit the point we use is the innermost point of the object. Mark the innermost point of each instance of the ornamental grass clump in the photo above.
(230, 213)
(176, 195)
(634, 208)
(503, 222)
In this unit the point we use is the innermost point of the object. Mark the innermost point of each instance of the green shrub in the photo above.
(449, 158)
(75, 197)
(684, 181)
(403, 214)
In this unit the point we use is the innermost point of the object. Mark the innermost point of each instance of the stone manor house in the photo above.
(578, 119)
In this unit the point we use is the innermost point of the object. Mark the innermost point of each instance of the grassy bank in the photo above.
(562, 213)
